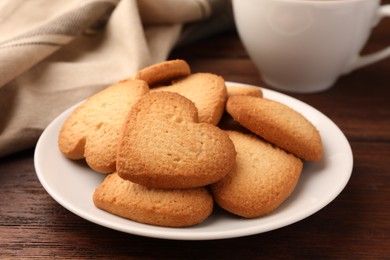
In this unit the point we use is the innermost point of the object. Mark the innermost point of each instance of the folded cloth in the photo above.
(54, 54)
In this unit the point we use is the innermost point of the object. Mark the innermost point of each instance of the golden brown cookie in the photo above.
(278, 124)
(206, 90)
(162, 145)
(264, 176)
(168, 208)
(163, 72)
(92, 130)
(244, 90)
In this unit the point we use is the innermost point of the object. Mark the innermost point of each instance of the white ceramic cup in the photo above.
(303, 46)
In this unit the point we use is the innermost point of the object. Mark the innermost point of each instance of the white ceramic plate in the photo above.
(72, 184)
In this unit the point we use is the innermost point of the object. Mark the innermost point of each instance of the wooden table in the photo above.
(355, 225)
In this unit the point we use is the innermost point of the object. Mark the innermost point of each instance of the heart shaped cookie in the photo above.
(92, 130)
(263, 178)
(206, 90)
(162, 145)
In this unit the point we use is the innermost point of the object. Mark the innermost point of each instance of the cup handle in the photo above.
(361, 61)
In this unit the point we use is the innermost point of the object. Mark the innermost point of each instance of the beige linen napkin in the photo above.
(56, 53)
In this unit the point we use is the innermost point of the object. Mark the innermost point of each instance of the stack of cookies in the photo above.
(174, 142)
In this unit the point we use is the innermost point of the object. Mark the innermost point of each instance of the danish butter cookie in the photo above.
(168, 208)
(244, 90)
(92, 130)
(278, 124)
(227, 122)
(264, 176)
(162, 145)
(163, 72)
(206, 90)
